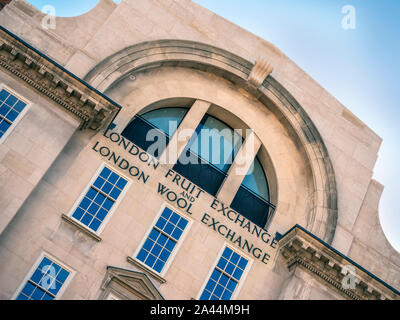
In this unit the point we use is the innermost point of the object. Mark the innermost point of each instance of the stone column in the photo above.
(184, 132)
(240, 167)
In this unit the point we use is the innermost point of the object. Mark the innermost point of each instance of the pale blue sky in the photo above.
(360, 67)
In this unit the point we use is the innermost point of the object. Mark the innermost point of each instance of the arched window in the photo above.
(209, 154)
(206, 158)
(163, 122)
(252, 198)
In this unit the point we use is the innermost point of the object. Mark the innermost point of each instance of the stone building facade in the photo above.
(86, 212)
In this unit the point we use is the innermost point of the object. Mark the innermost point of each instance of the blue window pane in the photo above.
(177, 234)
(11, 100)
(160, 244)
(99, 183)
(105, 173)
(45, 262)
(161, 223)
(3, 95)
(242, 263)
(99, 199)
(37, 276)
(85, 203)
(107, 187)
(22, 297)
(4, 109)
(167, 213)
(162, 240)
(174, 218)
(38, 294)
(19, 106)
(158, 266)
(87, 218)
(115, 193)
(55, 268)
(164, 255)
(108, 204)
(231, 285)
(222, 263)
(226, 295)
(91, 194)
(156, 250)
(226, 275)
(47, 297)
(101, 214)
(4, 126)
(170, 245)
(150, 260)
(28, 289)
(121, 183)
(223, 280)
(142, 255)
(214, 297)
(237, 274)
(78, 214)
(215, 275)
(12, 115)
(235, 258)
(93, 209)
(62, 275)
(154, 234)
(95, 224)
(113, 178)
(210, 285)
(205, 295)
(218, 290)
(55, 287)
(182, 223)
(227, 253)
(229, 268)
(168, 228)
(148, 245)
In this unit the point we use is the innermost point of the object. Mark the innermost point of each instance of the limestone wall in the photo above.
(81, 43)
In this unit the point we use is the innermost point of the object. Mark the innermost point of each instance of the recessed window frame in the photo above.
(21, 114)
(177, 246)
(29, 274)
(243, 277)
(113, 208)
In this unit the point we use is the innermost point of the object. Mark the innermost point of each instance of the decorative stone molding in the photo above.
(261, 70)
(128, 285)
(301, 249)
(323, 213)
(40, 72)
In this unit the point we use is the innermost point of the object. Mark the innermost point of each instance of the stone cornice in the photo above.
(302, 249)
(17, 57)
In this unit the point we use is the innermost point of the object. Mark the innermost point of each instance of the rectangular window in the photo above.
(225, 277)
(45, 281)
(162, 240)
(10, 109)
(99, 199)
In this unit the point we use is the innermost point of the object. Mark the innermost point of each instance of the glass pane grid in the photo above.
(162, 240)
(225, 277)
(10, 108)
(45, 282)
(100, 198)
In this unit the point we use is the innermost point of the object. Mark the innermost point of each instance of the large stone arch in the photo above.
(323, 216)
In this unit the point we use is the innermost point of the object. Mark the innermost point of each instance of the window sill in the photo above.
(142, 267)
(81, 227)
